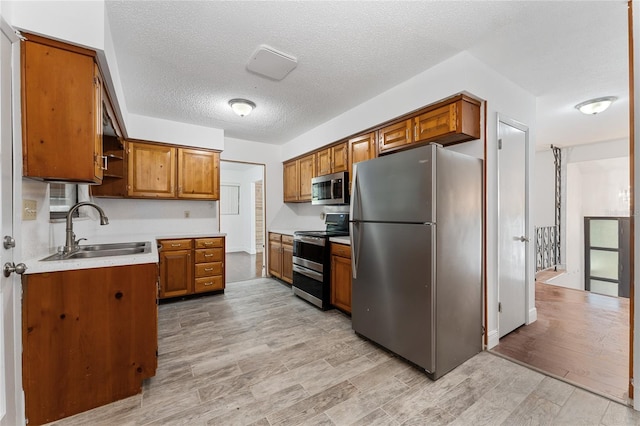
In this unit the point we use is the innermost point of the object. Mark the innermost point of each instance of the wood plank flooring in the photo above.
(580, 336)
(257, 355)
(242, 266)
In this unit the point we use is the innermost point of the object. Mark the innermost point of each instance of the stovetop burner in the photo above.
(323, 233)
(337, 226)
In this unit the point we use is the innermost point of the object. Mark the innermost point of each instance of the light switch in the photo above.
(29, 209)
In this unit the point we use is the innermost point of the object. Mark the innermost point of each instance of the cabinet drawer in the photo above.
(342, 250)
(209, 242)
(208, 269)
(274, 237)
(287, 239)
(209, 255)
(209, 284)
(175, 244)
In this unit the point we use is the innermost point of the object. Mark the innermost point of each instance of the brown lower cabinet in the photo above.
(189, 266)
(341, 276)
(281, 256)
(90, 337)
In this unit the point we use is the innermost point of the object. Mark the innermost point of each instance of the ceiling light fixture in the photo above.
(241, 107)
(595, 106)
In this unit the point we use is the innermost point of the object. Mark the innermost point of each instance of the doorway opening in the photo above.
(242, 219)
(583, 271)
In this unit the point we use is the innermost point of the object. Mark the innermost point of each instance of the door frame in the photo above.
(265, 243)
(16, 410)
(531, 314)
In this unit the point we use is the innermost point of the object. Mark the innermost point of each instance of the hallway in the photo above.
(579, 336)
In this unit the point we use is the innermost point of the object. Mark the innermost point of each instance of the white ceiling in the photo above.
(184, 61)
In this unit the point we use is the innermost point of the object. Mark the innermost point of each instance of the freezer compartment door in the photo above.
(393, 292)
(395, 188)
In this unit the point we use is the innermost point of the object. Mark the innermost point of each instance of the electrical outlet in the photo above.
(187, 213)
(29, 209)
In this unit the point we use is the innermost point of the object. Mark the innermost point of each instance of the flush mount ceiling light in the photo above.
(241, 107)
(595, 106)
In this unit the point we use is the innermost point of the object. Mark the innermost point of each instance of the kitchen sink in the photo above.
(103, 250)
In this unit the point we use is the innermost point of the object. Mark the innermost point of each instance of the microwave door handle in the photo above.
(331, 188)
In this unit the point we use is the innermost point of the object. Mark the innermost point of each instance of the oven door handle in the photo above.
(310, 240)
(308, 273)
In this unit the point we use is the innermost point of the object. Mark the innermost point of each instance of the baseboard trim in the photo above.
(533, 316)
(492, 339)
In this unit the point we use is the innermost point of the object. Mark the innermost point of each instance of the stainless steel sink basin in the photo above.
(102, 250)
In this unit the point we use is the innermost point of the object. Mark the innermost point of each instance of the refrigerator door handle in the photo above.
(355, 247)
(354, 213)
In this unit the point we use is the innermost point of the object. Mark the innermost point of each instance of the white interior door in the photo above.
(10, 385)
(512, 237)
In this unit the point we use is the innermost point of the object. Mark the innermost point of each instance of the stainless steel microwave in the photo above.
(330, 189)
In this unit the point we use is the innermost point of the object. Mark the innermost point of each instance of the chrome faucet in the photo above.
(71, 245)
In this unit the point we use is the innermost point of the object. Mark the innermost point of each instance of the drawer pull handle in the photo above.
(208, 269)
(176, 245)
(208, 255)
(208, 243)
(209, 283)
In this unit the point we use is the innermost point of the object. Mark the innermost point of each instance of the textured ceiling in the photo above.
(183, 60)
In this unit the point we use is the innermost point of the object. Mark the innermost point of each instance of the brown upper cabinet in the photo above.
(395, 136)
(162, 171)
(152, 170)
(290, 181)
(456, 122)
(332, 160)
(198, 174)
(361, 148)
(297, 175)
(61, 112)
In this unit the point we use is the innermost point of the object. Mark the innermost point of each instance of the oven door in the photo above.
(309, 285)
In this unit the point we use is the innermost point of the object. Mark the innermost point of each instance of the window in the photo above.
(229, 199)
(62, 196)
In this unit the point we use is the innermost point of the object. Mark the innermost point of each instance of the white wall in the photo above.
(270, 157)
(80, 22)
(544, 189)
(159, 130)
(463, 72)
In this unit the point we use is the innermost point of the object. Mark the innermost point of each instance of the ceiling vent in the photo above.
(270, 63)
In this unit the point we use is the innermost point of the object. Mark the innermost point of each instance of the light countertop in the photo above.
(36, 265)
(284, 231)
(341, 240)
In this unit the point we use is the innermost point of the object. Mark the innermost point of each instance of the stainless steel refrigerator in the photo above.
(416, 239)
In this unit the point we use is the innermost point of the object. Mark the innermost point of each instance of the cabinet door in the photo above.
(453, 123)
(361, 148)
(198, 174)
(324, 162)
(275, 255)
(341, 282)
(290, 184)
(287, 261)
(395, 136)
(307, 171)
(151, 170)
(87, 345)
(59, 115)
(176, 277)
(339, 158)
(435, 123)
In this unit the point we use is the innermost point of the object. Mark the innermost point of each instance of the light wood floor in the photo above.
(242, 266)
(580, 336)
(257, 355)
